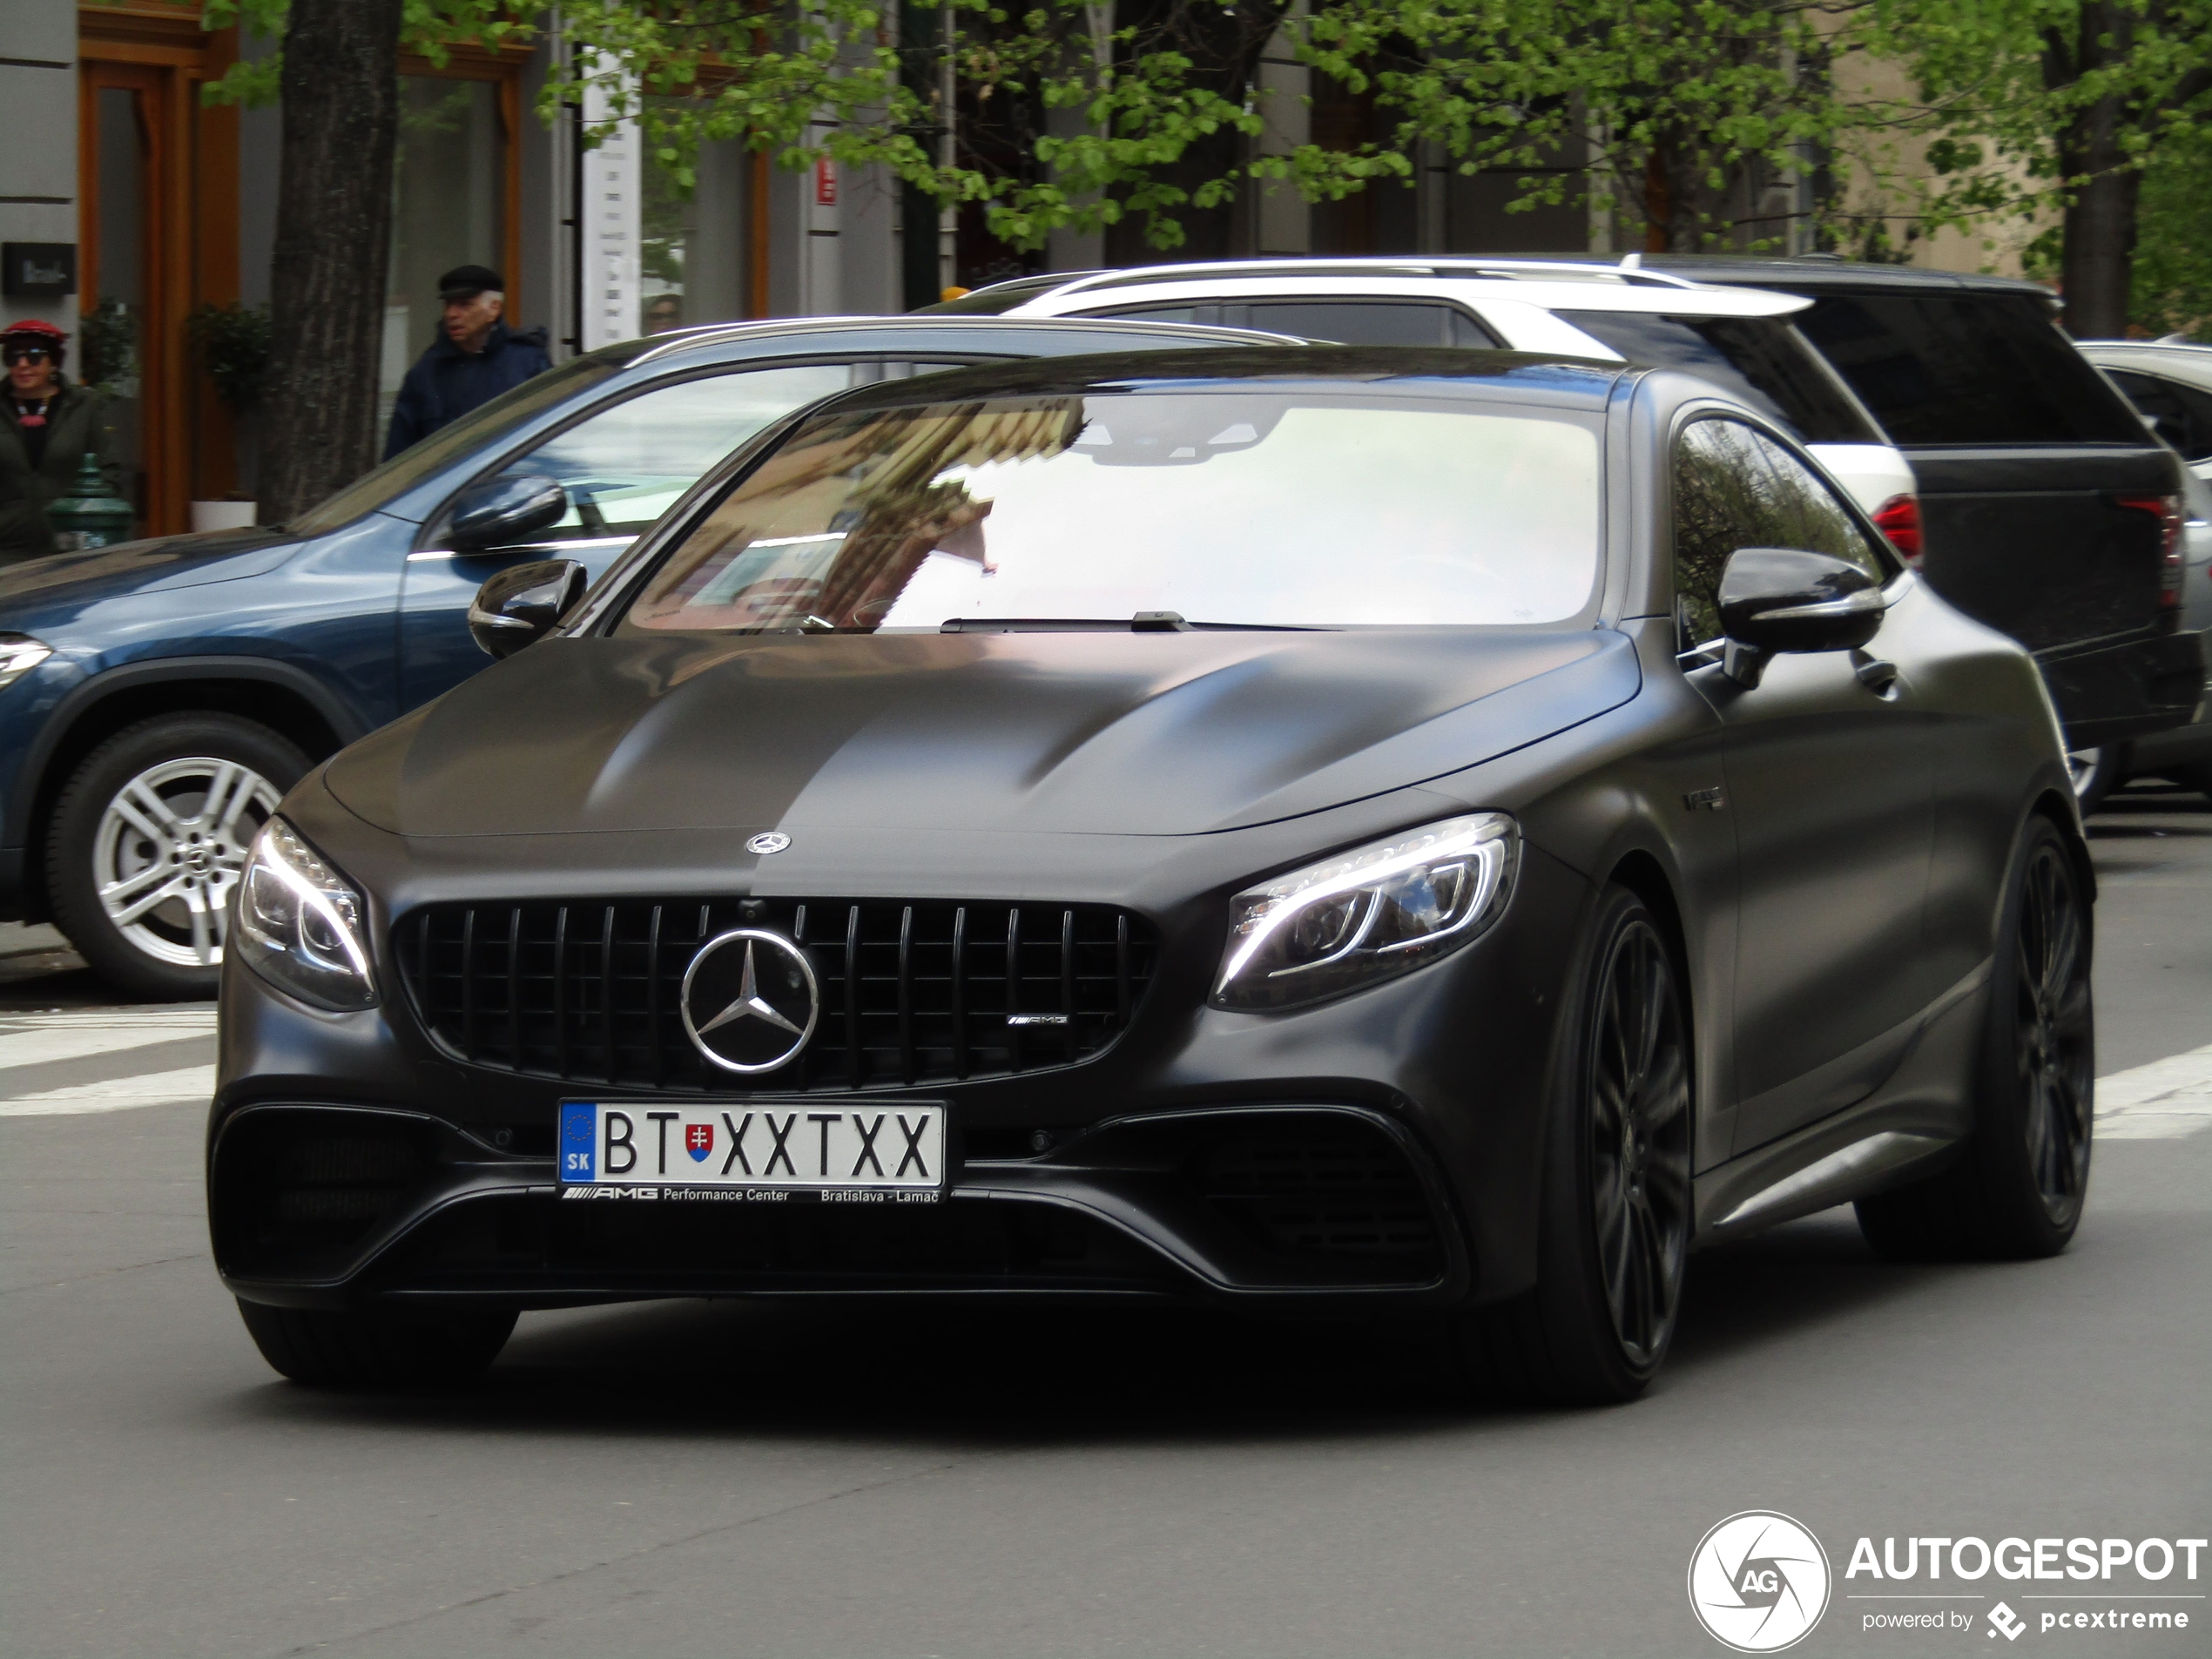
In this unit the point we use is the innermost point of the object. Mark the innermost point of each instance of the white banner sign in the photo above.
(610, 275)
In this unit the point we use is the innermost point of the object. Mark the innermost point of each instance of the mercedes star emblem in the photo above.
(749, 1000)
(768, 842)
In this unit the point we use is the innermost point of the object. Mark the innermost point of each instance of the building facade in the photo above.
(162, 204)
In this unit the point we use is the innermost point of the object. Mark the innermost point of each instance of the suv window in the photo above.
(1765, 363)
(2182, 415)
(625, 465)
(1371, 323)
(1187, 312)
(1965, 368)
(1736, 486)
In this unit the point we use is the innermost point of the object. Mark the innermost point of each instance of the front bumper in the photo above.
(319, 1207)
(1382, 1147)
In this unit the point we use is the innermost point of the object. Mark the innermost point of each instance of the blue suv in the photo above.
(157, 699)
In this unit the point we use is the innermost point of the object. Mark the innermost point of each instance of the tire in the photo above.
(2096, 773)
(377, 1348)
(1615, 1216)
(2017, 1189)
(140, 804)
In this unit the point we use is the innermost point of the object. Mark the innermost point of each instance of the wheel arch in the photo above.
(2063, 813)
(1642, 874)
(287, 699)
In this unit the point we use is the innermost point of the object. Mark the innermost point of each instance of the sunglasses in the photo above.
(13, 354)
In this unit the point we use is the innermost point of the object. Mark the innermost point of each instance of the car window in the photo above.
(1370, 322)
(1188, 313)
(1978, 369)
(2182, 415)
(1229, 509)
(480, 429)
(1765, 363)
(1734, 486)
(625, 465)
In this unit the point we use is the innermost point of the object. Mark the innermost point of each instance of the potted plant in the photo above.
(231, 343)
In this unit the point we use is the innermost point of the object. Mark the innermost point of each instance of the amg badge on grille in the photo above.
(749, 1000)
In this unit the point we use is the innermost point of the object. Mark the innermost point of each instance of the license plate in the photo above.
(781, 1148)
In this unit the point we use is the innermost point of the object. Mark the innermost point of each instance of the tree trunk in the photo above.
(2098, 265)
(334, 230)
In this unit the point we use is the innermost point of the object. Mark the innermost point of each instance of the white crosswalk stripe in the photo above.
(185, 1086)
(2165, 1099)
(80, 1034)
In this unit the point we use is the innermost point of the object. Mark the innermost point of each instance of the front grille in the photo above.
(912, 993)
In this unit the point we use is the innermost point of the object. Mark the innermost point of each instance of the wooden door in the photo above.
(158, 235)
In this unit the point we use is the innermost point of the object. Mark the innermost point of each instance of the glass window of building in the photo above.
(449, 207)
(696, 240)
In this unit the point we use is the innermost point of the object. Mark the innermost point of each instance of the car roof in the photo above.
(1432, 370)
(711, 341)
(1560, 288)
(2184, 360)
(1824, 273)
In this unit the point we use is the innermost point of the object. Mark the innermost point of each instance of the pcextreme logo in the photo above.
(1758, 1581)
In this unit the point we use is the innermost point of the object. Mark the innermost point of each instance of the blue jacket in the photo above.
(447, 382)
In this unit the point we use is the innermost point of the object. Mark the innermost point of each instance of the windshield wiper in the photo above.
(1144, 622)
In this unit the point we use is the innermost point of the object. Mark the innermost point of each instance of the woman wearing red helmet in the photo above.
(46, 426)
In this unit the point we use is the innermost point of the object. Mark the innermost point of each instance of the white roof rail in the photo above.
(1401, 264)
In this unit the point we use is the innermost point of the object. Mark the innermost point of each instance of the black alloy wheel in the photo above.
(1639, 1071)
(1613, 1231)
(2018, 1187)
(2053, 1033)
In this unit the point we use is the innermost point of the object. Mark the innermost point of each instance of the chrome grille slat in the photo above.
(912, 992)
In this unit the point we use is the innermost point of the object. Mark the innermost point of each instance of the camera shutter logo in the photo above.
(1758, 1581)
(749, 1000)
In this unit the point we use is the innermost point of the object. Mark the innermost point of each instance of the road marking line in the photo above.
(40, 1039)
(2164, 1101)
(191, 1084)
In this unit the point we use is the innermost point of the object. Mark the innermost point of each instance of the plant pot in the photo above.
(223, 515)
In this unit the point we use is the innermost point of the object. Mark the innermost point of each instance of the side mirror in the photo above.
(505, 509)
(1777, 598)
(520, 605)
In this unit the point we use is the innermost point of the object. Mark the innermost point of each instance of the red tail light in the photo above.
(2168, 510)
(1898, 518)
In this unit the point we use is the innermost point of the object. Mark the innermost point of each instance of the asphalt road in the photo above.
(727, 1479)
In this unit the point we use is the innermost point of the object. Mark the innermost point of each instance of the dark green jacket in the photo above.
(79, 422)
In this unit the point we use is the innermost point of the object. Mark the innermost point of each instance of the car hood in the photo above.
(1115, 733)
(69, 580)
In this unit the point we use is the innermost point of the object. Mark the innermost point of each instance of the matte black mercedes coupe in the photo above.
(1335, 829)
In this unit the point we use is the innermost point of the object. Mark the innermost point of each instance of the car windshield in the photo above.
(480, 429)
(1223, 508)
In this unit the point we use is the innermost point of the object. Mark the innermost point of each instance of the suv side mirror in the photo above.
(520, 605)
(505, 509)
(1778, 599)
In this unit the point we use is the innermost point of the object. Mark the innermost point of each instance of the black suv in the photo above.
(2049, 511)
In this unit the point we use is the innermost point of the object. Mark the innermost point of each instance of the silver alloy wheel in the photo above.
(169, 850)
(2081, 769)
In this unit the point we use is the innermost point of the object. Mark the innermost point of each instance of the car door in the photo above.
(623, 463)
(1829, 782)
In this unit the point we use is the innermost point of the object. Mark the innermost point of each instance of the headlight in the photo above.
(1368, 915)
(299, 925)
(19, 654)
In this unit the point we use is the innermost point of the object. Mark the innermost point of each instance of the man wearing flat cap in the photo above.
(475, 358)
